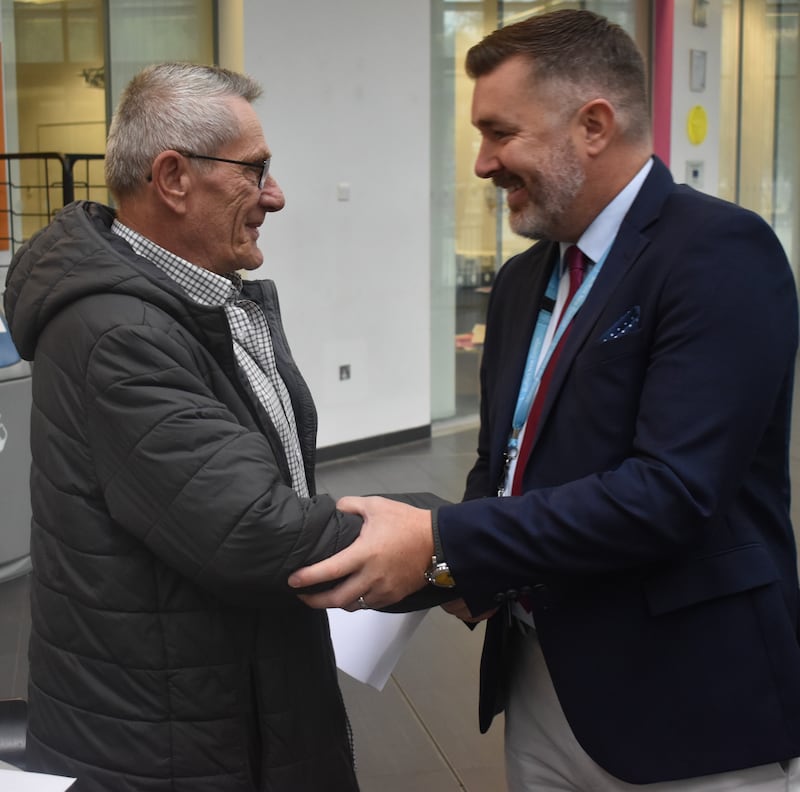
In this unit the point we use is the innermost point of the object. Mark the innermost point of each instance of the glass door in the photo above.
(760, 100)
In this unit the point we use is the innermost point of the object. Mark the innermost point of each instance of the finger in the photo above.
(351, 504)
(344, 596)
(333, 568)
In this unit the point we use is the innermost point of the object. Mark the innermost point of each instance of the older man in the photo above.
(173, 470)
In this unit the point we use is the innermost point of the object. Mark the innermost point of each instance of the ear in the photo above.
(170, 178)
(597, 123)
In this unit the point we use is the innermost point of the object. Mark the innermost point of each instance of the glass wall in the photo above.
(56, 56)
(148, 31)
(65, 64)
(759, 163)
(471, 236)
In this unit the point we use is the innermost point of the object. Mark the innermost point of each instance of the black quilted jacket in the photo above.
(167, 652)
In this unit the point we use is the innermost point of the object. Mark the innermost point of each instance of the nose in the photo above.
(486, 163)
(272, 197)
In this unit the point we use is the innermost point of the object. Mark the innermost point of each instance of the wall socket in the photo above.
(344, 372)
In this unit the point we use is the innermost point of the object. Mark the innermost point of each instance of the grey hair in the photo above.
(180, 106)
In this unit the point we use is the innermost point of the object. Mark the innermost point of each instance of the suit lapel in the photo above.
(630, 242)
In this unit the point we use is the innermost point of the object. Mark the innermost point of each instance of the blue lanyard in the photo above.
(532, 375)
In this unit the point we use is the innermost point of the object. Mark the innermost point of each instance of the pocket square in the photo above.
(627, 323)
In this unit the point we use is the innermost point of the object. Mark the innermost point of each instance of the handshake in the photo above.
(389, 566)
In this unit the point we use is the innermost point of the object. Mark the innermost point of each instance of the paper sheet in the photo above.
(17, 781)
(369, 643)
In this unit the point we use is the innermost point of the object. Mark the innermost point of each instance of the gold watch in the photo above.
(438, 573)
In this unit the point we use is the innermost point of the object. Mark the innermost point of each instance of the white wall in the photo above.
(347, 102)
(707, 39)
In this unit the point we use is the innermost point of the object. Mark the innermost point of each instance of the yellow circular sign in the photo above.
(697, 125)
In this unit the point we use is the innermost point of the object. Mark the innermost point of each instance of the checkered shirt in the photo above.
(252, 341)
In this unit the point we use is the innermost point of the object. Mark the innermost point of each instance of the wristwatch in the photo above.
(438, 573)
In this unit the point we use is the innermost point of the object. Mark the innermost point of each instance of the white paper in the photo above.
(369, 643)
(17, 781)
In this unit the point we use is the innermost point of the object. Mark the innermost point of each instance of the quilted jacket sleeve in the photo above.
(183, 468)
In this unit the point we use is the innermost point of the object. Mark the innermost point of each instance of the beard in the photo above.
(553, 191)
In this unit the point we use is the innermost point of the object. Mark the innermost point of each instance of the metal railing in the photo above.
(34, 186)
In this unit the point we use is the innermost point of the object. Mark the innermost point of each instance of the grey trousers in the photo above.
(542, 753)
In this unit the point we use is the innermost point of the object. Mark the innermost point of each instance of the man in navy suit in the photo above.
(637, 562)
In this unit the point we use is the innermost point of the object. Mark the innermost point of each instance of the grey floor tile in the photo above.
(484, 779)
(389, 738)
(8, 670)
(438, 673)
(356, 478)
(14, 632)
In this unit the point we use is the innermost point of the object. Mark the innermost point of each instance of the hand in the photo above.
(459, 609)
(386, 563)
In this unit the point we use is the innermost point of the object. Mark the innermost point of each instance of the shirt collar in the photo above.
(602, 231)
(202, 285)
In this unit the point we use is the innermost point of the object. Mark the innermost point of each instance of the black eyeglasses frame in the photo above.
(262, 166)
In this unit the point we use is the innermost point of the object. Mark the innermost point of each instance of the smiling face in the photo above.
(226, 206)
(528, 149)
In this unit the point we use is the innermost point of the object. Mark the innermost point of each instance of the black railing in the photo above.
(34, 186)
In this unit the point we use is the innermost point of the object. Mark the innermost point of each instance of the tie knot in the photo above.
(576, 263)
(574, 259)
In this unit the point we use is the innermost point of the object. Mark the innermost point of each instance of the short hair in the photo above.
(180, 106)
(584, 54)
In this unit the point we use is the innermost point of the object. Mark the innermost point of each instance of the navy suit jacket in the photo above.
(653, 535)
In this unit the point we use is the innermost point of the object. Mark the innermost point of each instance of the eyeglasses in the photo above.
(262, 167)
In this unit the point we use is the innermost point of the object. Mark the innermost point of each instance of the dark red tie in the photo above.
(576, 263)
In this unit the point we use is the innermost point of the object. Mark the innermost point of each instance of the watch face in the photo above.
(440, 576)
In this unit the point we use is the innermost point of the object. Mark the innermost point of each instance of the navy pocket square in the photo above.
(627, 323)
